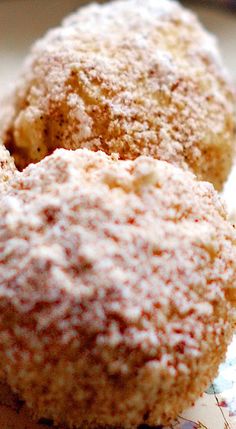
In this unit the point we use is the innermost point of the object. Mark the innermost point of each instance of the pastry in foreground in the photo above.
(130, 77)
(116, 281)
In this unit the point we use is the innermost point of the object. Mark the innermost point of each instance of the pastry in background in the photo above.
(116, 286)
(129, 77)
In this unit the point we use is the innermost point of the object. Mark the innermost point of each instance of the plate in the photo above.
(23, 21)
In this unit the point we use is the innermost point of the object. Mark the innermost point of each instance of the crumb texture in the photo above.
(7, 166)
(115, 286)
(131, 77)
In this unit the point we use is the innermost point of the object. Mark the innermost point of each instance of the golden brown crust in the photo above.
(131, 77)
(115, 278)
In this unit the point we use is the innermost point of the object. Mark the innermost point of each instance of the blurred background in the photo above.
(22, 21)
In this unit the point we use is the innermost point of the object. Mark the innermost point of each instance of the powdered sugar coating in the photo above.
(115, 287)
(131, 77)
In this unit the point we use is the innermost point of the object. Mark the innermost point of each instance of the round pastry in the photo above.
(116, 281)
(131, 77)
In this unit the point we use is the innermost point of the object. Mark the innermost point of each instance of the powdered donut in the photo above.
(131, 77)
(116, 280)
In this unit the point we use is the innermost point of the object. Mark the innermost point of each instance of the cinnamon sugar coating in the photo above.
(131, 77)
(115, 286)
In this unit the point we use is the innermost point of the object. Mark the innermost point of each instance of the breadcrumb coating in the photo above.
(115, 285)
(130, 77)
(7, 165)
